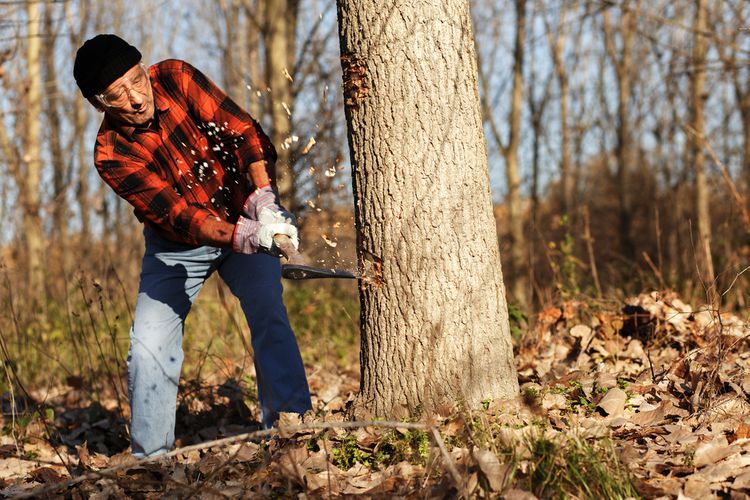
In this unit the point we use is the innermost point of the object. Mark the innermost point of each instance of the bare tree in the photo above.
(557, 38)
(279, 43)
(76, 24)
(434, 321)
(621, 57)
(696, 139)
(510, 150)
(30, 177)
(734, 57)
(52, 104)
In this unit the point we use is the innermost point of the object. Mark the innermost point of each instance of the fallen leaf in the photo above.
(46, 475)
(209, 463)
(712, 451)
(490, 466)
(360, 480)
(550, 315)
(696, 487)
(613, 403)
(742, 481)
(584, 333)
(554, 402)
(606, 380)
(516, 494)
(741, 432)
(290, 463)
(653, 417)
(725, 469)
(179, 475)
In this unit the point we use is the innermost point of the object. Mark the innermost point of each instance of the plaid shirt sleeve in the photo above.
(154, 200)
(231, 125)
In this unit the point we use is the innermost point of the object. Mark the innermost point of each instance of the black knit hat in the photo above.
(102, 60)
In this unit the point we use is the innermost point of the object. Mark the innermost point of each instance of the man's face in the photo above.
(129, 99)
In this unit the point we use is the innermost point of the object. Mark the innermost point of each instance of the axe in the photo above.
(296, 269)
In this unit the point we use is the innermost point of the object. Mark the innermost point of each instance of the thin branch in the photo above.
(281, 430)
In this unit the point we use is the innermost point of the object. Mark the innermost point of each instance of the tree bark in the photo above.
(434, 320)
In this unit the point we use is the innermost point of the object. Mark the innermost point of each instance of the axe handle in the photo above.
(287, 249)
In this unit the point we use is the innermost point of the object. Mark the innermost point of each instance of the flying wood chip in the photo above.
(329, 242)
(308, 146)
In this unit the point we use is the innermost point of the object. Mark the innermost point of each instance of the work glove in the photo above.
(266, 198)
(252, 236)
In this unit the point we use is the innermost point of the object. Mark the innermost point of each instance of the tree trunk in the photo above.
(60, 213)
(557, 48)
(625, 149)
(696, 100)
(77, 24)
(230, 37)
(434, 320)
(84, 160)
(510, 153)
(277, 70)
(33, 230)
(255, 71)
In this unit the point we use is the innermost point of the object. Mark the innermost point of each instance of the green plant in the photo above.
(393, 447)
(531, 394)
(577, 468)
(564, 262)
(518, 321)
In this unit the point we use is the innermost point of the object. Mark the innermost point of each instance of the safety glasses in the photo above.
(137, 81)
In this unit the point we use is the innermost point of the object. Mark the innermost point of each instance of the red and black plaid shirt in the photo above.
(191, 163)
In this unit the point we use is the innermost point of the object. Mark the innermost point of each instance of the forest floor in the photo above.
(647, 398)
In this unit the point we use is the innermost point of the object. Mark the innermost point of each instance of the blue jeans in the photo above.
(171, 277)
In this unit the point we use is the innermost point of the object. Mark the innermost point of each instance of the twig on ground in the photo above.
(448, 459)
(292, 429)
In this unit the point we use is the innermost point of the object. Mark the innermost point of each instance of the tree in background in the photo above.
(434, 321)
(696, 138)
(24, 153)
(510, 150)
(623, 60)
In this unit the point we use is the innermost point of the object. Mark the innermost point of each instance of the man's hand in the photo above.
(251, 236)
(265, 198)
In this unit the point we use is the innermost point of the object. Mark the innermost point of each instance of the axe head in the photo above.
(302, 272)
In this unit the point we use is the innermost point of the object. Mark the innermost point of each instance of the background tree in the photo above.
(434, 321)
(509, 149)
(696, 138)
(623, 61)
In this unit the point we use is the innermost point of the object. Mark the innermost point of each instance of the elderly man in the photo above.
(199, 172)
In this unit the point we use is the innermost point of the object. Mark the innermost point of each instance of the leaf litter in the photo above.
(654, 392)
